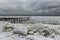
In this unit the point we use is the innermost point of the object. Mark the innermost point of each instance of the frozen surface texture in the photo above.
(28, 31)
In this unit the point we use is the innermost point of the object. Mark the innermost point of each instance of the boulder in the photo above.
(8, 27)
(20, 29)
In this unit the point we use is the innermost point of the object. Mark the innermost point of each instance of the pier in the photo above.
(15, 19)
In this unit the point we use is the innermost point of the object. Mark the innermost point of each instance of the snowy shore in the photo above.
(28, 31)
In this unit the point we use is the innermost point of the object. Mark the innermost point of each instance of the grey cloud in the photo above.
(30, 7)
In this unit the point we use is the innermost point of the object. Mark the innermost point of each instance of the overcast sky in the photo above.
(30, 7)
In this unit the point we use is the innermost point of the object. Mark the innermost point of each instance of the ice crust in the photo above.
(37, 31)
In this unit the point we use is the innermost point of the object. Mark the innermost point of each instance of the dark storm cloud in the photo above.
(29, 7)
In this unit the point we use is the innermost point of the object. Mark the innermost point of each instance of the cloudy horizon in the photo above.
(30, 7)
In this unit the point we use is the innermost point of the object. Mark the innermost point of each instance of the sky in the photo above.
(30, 7)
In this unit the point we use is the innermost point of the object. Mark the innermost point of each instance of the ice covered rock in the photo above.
(8, 27)
(38, 30)
(30, 32)
(32, 37)
(4, 25)
(16, 28)
(20, 29)
(44, 29)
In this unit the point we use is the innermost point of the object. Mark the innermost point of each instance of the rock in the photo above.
(20, 29)
(30, 33)
(8, 27)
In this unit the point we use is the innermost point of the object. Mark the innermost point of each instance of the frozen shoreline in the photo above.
(37, 31)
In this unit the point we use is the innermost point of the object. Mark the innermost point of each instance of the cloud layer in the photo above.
(29, 7)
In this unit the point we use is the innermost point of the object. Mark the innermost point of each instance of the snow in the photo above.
(36, 31)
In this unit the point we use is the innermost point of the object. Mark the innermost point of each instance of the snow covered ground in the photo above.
(29, 31)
